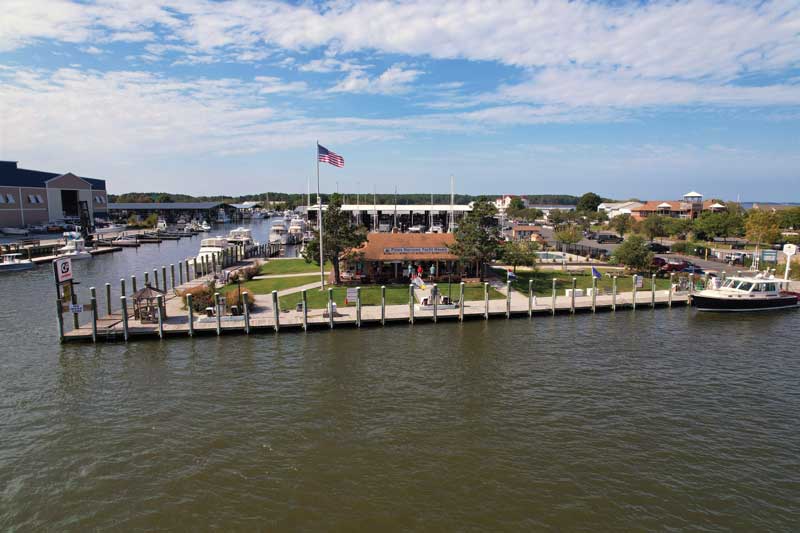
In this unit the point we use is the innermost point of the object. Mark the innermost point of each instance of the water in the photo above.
(630, 421)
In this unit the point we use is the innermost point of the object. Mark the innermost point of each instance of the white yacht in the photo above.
(75, 247)
(14, 263)
(277, 232)
(761, 292)
(161, 225)
(222, 216)
(14, 231)
(205, 226)
(212, 247)
(296, 230)
(242, 237)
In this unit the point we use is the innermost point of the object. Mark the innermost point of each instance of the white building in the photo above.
(613, 209)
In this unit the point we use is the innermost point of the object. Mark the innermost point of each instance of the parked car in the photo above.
(591, 235)
(659, 262)
(608, 238)
(676, 266)
(657, 248)
(694, 269)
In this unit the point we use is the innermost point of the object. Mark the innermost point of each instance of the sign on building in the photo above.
(403, 251)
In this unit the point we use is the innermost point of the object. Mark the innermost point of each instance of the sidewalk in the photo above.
(298, 275)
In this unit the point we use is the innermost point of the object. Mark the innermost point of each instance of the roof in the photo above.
(655, 205)
(166, 206)
(692, 194)
(612, 206)
(148, 292)
(247, 205)
(408, 247)
(13, 176)
(526, 227)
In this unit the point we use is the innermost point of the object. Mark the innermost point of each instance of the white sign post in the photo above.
(789, 250)
(352, 295)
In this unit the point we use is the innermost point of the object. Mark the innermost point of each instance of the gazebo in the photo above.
(145, 304)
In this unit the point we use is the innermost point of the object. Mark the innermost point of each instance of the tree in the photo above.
(520, 253)
(588, 202)
(527, 214)
(633, 253)
(654, 226)
(722, 224)
(678, 227)
(164, 198)
(762, 226)
(339, 237)
(568, 235)
(516, 203)
(622, 224)
(790, 218)
(477, 237)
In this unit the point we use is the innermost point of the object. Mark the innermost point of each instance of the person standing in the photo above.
(419, 271)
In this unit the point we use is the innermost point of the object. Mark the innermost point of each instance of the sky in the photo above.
(627, 99)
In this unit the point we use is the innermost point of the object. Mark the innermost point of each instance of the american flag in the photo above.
(326, 156)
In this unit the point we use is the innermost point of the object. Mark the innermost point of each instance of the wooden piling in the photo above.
(246, 312)
(172, 275)
(634, 291)
(122, 286)
(305, 310)
(411, 303)
(74, 301)
(383, 305)
(485, 300)
(508, 299)
(93, 303)
(461, 301)
(358, 307)
(180, 272)
(160, 303)
(530, 298)
(614, 293)
(108, 299)
(553, 303)
(60, 319)
(574, 287)
(146, 279)
(669, 297)
(155, 279)
(218, 313)
(653, 292)
(330, 307)
(594, 294)
(435, 297)
(190, 314)
(164, 278)
(123, 302)
(133, 285)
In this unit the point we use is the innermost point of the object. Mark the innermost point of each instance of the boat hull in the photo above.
(16, 267)
(706, 303)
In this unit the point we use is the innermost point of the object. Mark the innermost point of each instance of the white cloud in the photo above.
(273, 85)
(394, 80)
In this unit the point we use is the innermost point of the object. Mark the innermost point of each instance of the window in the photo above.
(39, 198)
(769, 287)
(10, 198)
(2, 199)
(745, 286)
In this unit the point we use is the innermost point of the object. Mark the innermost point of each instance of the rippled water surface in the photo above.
(636, 421)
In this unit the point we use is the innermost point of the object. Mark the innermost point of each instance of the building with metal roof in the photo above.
(29, 197)
(172, 211)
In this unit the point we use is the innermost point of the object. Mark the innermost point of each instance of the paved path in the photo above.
(298, 275)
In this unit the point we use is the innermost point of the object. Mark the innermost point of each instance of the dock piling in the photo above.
(172, 275)
(74, 301)
(60, 319)
(190, 314)
(213, 263)
(276, 310)
(485, 300)
(155, 279)
(614, 293)
(634, 291)
(146, 279)
(572, 301)
(530, 298)
(93, 304)
(108, 299)
(164, 278)
(383, 305)
(180, 272)
(461, 301)
(411, 303)
(435, 296)
(669, 296)
(123, 302)
(133, 284)
(246, 311)
(330, 307)
(653, 292)
(305, 310)
(122, 286)
(508, 299)
(218, 313)
(160, 303)
(358, 307)
(594, 294)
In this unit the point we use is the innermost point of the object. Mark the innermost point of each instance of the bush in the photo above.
(202, 296)
(245, 273)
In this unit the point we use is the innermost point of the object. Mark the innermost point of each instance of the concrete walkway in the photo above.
(298, 275)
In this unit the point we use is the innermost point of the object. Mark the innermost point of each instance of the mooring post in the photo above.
(246, 311)
(461, 301)
(594, 294)
(160, 303)
(553, 310)
(485, 300)
(164, 278)
(530, 298)
(330, 307)
(133, 285)
(172, 275)
(180, 272)
(634, 290)
(186, 267)
(508, 299)
(276, 311)
(722, 276)
(572, 304)
(305, 309)
(93, 303)
(383, 305)
(194, 262)
(614, 293)
(411, 303)
(155, 279)
(190, 313)
(218, 313)
(60, 319)
(669, 296)
(691, 283)
(653, 291)
(214, 263)
(435, 296)
(358, 307)
(123, 303)
(146, 279)
(108, 299)
(74, 301)
(122, 286)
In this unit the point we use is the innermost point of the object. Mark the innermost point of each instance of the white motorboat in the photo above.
(242, 237)
(205, 226)
(417, 228)
(296, 230)
(222, 216)
(14, 263)
(212, 247)
(161, 225)
(14, 231)
(762, 292)
(436, 228)
(277, 232)
(75, 247)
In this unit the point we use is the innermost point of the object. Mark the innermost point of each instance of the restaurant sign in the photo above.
(402, 251)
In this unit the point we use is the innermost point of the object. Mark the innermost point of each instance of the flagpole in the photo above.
(319, 206)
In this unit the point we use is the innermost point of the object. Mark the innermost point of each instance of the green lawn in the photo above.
(543, 282)
(266, 286)
(290, 266)
(371, 295)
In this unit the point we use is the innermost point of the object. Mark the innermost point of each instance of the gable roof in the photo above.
(13, 176)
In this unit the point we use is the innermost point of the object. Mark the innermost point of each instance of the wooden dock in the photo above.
(263, 318)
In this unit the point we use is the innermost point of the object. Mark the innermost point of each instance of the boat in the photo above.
(222, 216)
(242, 237)
(13, 263)
(205, 226)
(75, 247)
(762, 292)
(161, 225)
(417, 228)
(212, 247)
(436, 228)
(297, 228)
(14, 231)
(277, 232)
(126, 241)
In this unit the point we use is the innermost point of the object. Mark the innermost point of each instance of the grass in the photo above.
(371, 295)
(290, 266)
(266, 286)
(543, 282)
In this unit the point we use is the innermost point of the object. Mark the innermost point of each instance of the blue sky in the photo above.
(628, 99)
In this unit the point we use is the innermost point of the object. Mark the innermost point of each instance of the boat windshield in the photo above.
(745, 286)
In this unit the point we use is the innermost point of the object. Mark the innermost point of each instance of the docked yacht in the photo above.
(14, 231)
(75, 247)
(297, 228)
(14, 263)
(204, 226)
(222, 216)
(762, 292)
(277, 232)
(242, 237)
(161, 225)
(212, 247)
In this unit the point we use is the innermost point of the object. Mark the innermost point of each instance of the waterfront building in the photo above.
(384, 217)
(689, 207)
(172, 211)
(29, 197)
(526, 232)
(503, 202)
(614, 209)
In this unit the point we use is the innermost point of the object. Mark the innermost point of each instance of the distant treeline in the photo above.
(292, 200)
